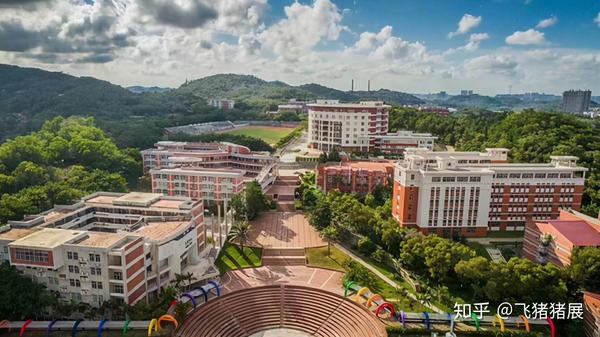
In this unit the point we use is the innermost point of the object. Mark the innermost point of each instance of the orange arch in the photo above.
(360, 292)
(167, 318)
(5, 324)
(525, 323)
(372, 299)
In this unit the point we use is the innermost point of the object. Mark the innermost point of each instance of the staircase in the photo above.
(284, 257)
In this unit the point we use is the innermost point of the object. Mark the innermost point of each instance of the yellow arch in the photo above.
(525, 323)
(500, 321)
(359, 293)
(373, 298)
(152, 326)
(167, 318)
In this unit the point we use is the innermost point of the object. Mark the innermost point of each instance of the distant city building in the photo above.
(466, 92)
(576, 101)
(396, 143)
(294, 105)
(591, 314)
(224, 104)
(440, 110)
(354, 177)
(554, 240)
(470, 192)
(200, 128)
(110, 246)
(208, 171)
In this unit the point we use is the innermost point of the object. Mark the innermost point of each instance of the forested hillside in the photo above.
(65, 160)
(531, 136)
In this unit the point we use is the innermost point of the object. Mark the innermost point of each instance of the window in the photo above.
(31, 255)
(435, 179)
(118, 275)
(74, 269)
(96, 285)
(118, 289)
(96, 271)
(74, 282)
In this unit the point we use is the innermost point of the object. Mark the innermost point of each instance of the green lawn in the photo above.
(318, 257)
(267, 133)
(231, 258)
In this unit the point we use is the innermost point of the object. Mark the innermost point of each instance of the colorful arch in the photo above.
(347, 288)
(426, 321)
(172, 304)
(552, 327)
(385, 305)
(217, 287)
(190, 297)
(402, 319)
(373, 298)
(5, 324)
(24, 326)
(152, 326)
(451, 319)
(360, 292)
(500, 321)
(525, 323)
(49, 329)
(203, 293)
(476, 319)
(125, 328)
(167, 318)
(101, 327)
(74, 329)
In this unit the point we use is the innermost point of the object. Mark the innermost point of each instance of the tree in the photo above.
(329, 233)
(240, 231)
(183, 281)
(585, 268)
(320, 215)
(249, 204)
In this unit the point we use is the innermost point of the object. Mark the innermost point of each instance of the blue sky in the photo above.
(413, 46)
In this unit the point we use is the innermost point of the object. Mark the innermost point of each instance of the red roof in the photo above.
(579, 233)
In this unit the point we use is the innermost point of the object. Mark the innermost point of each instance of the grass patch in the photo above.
(506, 234)
(269, 134)
(232, 258)
(479, 249)
(317, 257)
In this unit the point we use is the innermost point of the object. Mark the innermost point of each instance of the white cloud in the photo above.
(597, 20)
(528, 37)
(304, 27)
(466, 23)
(475, 40)
(549, 22)
(491, 64)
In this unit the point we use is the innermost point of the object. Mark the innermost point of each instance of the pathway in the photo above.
(495, 254)
(383, 277)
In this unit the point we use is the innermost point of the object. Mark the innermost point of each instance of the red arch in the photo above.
(385, 305)
(24, 326)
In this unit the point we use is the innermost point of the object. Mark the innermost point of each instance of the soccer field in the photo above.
(270, 134)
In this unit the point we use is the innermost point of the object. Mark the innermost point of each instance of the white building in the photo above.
(224, 104)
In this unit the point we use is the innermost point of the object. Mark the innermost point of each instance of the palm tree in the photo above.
(183, 281)
(240, 231)
(329, 233)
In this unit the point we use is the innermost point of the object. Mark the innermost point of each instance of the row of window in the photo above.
(31, 255)
(533, 175)
(472, 179)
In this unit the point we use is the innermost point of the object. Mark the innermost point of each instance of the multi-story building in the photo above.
(554, 240)
(336, 126)
(225, 104)
(207, 171)
(591, 314)
(354, 177)
(396, 143)
(110, 246)
(576, 101)
(471, 192)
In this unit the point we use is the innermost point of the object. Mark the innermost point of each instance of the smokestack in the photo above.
(352, 87)
(369, 85)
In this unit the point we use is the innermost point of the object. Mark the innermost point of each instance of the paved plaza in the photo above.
(284, 230)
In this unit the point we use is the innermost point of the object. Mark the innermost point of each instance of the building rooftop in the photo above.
(162, 230)
(137, 199)
(48, 238)
(101, 239)
(579, 233)
(16, 234)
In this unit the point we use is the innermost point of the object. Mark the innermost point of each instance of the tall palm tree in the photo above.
(329, 233)
(240, 231)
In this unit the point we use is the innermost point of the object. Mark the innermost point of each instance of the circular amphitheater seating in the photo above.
(313, 311)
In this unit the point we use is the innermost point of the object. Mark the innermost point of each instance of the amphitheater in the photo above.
(297, 310)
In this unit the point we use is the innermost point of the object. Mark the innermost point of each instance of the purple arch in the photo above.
(217, 287)
(49, 330)
(402, 318)
(204, 293)
(190, 297)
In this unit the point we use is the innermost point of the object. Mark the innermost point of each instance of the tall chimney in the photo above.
(369, 85)
(352, 87)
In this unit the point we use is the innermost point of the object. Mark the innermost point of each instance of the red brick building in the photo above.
(591, 314)
(554, 240)
(354, 177)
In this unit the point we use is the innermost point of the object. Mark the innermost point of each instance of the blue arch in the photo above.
(426, 321)
(190, 297)
(402, 318)
(74, 330)
(217, 287)
(101, 327)
(49, 330)
(451, 319)
(204, 293)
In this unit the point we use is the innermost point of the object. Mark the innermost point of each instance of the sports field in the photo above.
(270, 134)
